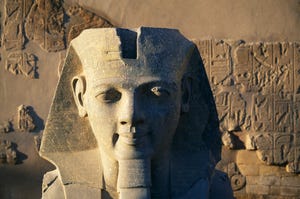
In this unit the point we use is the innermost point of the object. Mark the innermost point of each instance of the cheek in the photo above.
(164, 123)
(101, 119)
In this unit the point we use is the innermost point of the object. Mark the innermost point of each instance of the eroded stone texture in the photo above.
(15, 13)
(83, 19)
(7, 153)
(53, 28)
(20, 63)
(256, 89)
(146, 126)
(25, 121)
(5, 127)
(45, 24)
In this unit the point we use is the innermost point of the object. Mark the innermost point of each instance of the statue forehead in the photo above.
(118, 52)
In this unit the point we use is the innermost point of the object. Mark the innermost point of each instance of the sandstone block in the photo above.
(258, 189)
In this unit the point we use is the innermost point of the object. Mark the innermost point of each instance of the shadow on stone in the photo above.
(20, 156)
(38, 121)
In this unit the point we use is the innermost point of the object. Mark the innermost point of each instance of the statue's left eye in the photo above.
(160, 91)
(109, 96)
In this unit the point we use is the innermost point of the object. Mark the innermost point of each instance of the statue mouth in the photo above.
(133, 138)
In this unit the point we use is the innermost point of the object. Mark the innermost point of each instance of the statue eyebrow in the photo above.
(169, 84)
(117, 82)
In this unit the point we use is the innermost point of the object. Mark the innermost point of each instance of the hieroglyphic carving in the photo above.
(7, 152)
(82, 19)
(45, 24)
(274, 149)
(15, 13)
(204, 47)
(263, 113)
(243, 67)
(25, 120)
(283, 61)
(220, 67)
(283, 121)
(14, 39)
(257, 91)
(294, 162)
(263, 68)
(22, 63)
(231, 109)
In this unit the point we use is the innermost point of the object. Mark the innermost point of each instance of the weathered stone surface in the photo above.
(290, 191)
(15, 90)
(82, 19)
(139, 111)
(45, 24)
(256, 89)
(290, 181)
(264, 180)
(267, 170)
(5, 127)
(22, 64)
(258, 189)
(25, 120)
(7, 152)
(15, 13)
(247, 158)
(237, 180)
(249, 170)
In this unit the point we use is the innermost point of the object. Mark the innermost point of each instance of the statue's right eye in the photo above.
(109, 96)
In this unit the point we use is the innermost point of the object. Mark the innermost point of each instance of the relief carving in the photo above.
(21, 63)
(238, 181)
(45, 25)
(256, 88)
(15, 13)
(7, 153)
(220, 67)
(25, 120)
(242, 61)
(83, 19)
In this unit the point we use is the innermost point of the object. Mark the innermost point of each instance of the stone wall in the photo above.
(257, 91)
(256, 84)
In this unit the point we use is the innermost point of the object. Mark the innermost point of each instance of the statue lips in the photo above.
(133, 138)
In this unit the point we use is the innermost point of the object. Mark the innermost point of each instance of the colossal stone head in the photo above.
(133, 115)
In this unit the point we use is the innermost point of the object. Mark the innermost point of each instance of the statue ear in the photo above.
(78, 88)
(186, 86)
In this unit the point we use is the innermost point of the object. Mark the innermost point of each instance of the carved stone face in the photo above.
(130, 88)
(132, 116)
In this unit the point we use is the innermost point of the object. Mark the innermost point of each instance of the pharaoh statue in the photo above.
(133, 117)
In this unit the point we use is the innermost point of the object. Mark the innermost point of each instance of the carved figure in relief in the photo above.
(45, 25)
(125, 109)
(22, 63)
(7, 153)
(25, 121)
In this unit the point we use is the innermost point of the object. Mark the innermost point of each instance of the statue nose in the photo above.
(131, 113)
